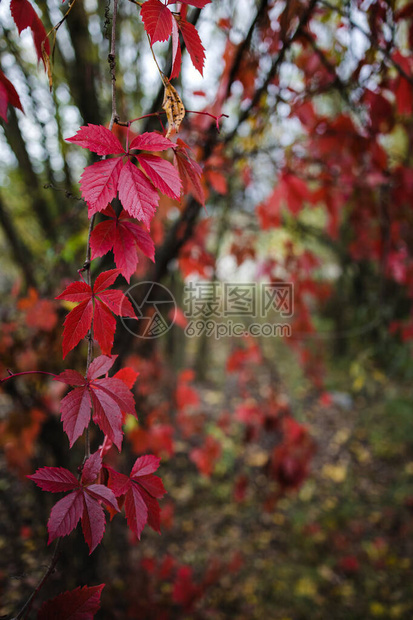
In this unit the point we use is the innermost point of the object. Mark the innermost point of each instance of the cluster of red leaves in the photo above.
(101, 181)
(138, 493)
(269, 423)
(185, 589)
(83, 502)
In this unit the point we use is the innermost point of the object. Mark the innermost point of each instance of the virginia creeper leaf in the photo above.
(99, 183)
(79, 604)
(162, 174)
(151, 141)
(24, 17)
(82, 503)
(97, 139)
(8, 95)
(157, 19)
(141, 491)
(97, 304)
(110, 397)
(190, 172)
(122, 235)
(193, 44)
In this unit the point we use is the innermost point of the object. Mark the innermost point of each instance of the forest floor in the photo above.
(339, 548)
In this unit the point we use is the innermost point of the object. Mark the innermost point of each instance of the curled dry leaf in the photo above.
(173, 106)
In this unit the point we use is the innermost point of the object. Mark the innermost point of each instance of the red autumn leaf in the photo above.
(190, 171)
(91, 468)
(54, 479)
(206, 456)
(157, 19)
(24, 17)
(84, 502)
(151, 141)
(162, 174)
(99, 183)
(141, 491)
(193, 44)
(97, 139)
(8, 95)
(176, 51)
(79, 604)
(123, 236)
(95, 304)
(137, 194)
(110, 397)
(127, 375)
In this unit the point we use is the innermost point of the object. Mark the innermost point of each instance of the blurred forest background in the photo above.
(288, 461)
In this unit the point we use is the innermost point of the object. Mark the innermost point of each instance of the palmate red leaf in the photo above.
(110, 397)
(141, 491)
(101, 181)
(123, 236)
(97, 304)
(24, 17)
(8, 95)
(79, 604)
(193, 44)
(97, 139)
(82, 503)
(162, 174)
(157, 19)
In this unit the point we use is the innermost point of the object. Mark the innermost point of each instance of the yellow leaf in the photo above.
(174, 108)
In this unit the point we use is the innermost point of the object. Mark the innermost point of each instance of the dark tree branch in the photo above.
(21, 252)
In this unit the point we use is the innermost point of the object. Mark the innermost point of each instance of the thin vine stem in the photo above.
(26, 372)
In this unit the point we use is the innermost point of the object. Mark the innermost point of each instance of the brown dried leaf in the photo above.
(174, 108)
